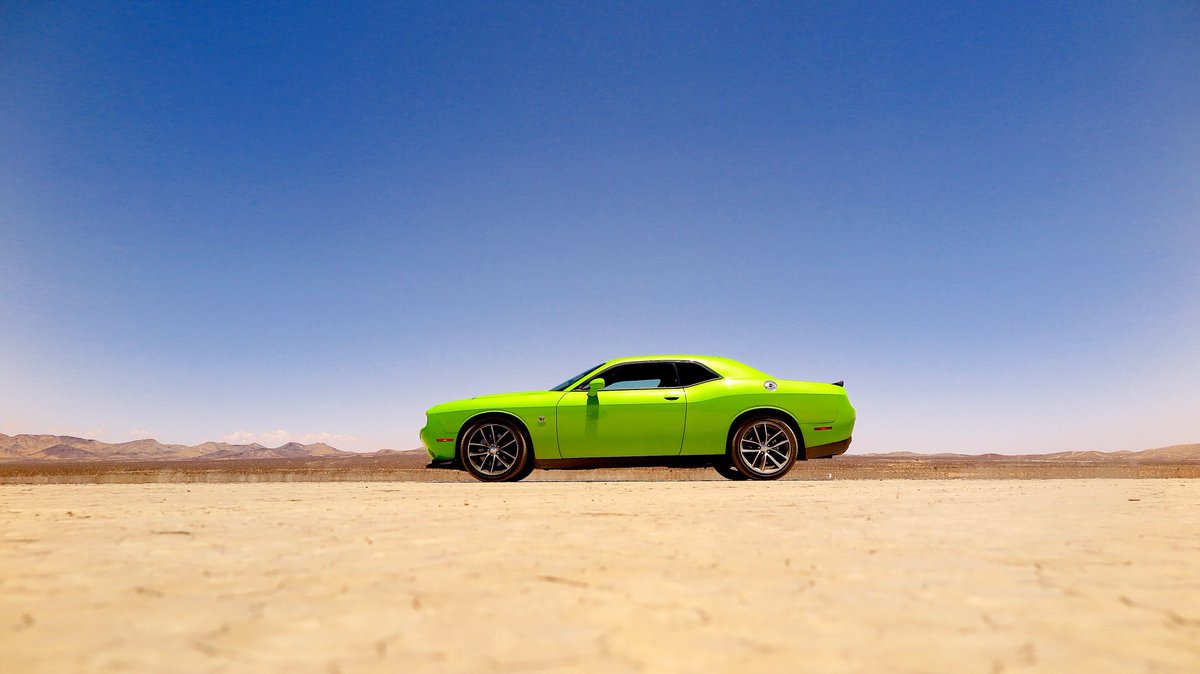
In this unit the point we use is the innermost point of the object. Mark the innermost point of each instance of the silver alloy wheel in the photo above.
(765, 447)
(492, 449)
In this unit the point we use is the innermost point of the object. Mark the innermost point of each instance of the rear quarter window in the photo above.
(694, 373)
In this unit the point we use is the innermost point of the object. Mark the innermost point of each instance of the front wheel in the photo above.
(496, 450)
(763, 448)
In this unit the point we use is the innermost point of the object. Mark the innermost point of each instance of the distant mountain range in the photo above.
(1172, 454)
(67, 448)
(64, 448)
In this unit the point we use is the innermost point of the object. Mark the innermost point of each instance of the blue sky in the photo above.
(293, 223)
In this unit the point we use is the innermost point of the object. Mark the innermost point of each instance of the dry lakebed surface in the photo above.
(1097, 575)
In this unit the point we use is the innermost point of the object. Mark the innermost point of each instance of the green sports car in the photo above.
(652, 410)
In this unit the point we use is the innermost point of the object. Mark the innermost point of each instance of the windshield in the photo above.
(571, 382)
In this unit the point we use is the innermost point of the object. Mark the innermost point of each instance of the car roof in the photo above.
(726, 367)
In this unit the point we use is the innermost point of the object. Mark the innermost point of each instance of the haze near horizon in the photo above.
(273, 224)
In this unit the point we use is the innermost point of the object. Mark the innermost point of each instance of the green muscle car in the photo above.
(651, 410)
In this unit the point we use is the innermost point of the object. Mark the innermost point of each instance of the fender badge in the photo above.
(541, 420)
(770, 385)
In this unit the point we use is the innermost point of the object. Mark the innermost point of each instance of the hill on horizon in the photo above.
(62, 448)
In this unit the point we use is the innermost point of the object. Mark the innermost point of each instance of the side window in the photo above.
(638, 376)
(694, 373)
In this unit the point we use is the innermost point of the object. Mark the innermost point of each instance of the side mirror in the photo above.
(594, 387)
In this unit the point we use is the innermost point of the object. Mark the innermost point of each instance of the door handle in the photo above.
(671, 397)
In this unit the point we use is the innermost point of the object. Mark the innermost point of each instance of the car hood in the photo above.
(519, 395)
(499, 401)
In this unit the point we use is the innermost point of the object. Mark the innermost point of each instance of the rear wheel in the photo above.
(496, 450)
(763, 448)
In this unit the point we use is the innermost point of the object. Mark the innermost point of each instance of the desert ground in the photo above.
(582, 576)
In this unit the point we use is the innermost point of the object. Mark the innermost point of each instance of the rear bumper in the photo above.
(827, 451)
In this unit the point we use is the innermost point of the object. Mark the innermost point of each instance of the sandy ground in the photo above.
(962, 576)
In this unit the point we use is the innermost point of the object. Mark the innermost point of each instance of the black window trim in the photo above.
(674, 365)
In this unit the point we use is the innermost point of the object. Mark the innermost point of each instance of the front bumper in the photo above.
(438, 441)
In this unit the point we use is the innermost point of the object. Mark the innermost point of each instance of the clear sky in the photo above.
(281, 223)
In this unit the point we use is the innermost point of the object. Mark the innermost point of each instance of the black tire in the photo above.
(524, 472)
(727, 471)
(496, 449)
(763, 448)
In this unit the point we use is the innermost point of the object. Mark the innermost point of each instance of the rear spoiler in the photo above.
(841, 383)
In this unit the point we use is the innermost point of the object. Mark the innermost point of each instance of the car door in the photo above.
(640, 412)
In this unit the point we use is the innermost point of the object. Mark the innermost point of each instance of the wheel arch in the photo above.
(491, 414)
(802, 451)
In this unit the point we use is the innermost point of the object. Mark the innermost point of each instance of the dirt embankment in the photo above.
(409, 467)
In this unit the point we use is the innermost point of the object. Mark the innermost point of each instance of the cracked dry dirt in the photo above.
(962, 576)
